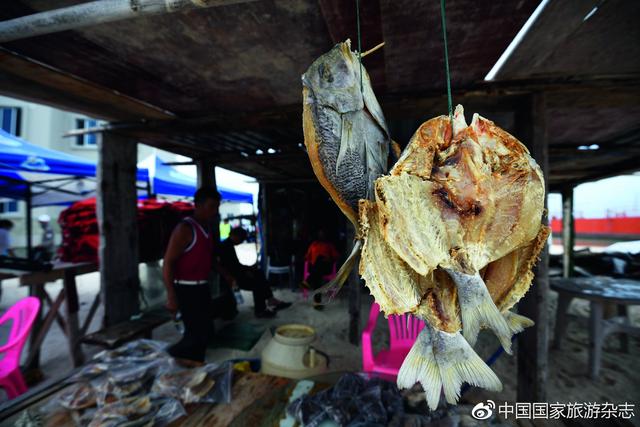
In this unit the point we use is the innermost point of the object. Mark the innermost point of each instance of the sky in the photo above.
(599, 199)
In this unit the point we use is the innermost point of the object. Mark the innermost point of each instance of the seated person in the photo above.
(248, 278)
(320, 257)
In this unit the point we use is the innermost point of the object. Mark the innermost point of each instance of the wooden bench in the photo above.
(121, 333)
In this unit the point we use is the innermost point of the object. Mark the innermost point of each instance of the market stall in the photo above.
(44, 177)
(561, 78)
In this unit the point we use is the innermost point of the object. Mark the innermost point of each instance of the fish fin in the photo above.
(478, 310)
(420, 366)
(373, 106)
(440, 360)
(459, 122)
(346, 133)
(332, 288)
(516, 322)
(458, 363)
(351, 132)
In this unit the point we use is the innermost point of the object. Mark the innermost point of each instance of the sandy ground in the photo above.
(568, 381)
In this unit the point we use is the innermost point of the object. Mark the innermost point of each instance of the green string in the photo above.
(446, 60)
(359, 41)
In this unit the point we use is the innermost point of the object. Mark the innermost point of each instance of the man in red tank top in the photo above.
(187, 264)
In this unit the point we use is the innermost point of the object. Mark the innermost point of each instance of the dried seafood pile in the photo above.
(138, 384)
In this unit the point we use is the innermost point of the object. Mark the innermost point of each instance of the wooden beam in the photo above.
(532, 350)
(77, 92)
(117, 221)
(568, 232)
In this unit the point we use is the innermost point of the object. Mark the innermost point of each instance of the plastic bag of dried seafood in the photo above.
(206, 384)
(142, 350)
(130, 380)
(96, 370)
(151, 410)
(135, 353)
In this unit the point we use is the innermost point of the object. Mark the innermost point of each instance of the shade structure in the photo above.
(47, 177)
(169, 181)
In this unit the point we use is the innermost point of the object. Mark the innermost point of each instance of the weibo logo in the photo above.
(483, 411)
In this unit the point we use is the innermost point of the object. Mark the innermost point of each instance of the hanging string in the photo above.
(359, 41)
(446, 61)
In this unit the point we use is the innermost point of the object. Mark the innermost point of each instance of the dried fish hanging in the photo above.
(450, 234)
(364, 144)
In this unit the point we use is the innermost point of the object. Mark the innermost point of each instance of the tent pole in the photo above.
(29, 226)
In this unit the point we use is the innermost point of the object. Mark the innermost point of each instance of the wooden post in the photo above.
(29, 224)
(117, 220)
(206, 172)
(568, 232)
(354, 295)
(264, 224)
(532, 348)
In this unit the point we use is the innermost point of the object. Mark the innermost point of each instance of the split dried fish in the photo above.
(78, 396)
(196, 392)
(458, 225)
(130, 410)
(188, 385)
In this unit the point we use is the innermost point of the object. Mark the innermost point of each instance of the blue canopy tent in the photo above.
(167, 180)
(44, 177)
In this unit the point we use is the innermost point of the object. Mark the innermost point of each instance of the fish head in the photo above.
(333, 80)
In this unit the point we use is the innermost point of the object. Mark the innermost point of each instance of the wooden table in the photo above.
(69, 322)
(599, 290)
(257, 400)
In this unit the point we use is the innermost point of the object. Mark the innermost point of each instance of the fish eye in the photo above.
(326, 74)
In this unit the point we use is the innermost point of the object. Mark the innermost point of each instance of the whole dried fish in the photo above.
(345, 131)
(345, 134)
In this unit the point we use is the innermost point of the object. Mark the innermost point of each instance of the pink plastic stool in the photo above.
(21, 314)
(403, 332)
(326, 278)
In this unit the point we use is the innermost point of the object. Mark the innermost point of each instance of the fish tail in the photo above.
(516, 322)
(441, 360)
(420, 366)
(458, 363)
(331, 289)
(478, 310)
